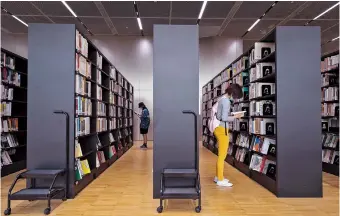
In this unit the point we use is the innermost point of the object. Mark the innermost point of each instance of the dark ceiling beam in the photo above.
(229, 17)
(106, 17)
(295, 12)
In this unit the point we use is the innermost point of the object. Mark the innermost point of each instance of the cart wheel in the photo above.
(160, 209)
(198, 209)
(30, 200)
(47, 211)
(64, 199)
(7, 211)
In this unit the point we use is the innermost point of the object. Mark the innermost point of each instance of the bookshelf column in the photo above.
(299, 165)
(176, 85)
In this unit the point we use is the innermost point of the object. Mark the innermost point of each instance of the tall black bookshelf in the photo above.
(72, 75)
(330, 112)
(13, 112)
(282, 124)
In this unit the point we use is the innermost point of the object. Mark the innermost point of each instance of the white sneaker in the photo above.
(224, 183)
(216, 180)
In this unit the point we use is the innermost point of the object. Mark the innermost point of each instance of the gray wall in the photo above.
(133, 57)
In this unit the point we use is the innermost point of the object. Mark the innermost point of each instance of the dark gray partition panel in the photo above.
(299, 165)
(51, 66)
(176, 88)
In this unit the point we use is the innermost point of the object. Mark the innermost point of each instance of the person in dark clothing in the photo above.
(144, 123)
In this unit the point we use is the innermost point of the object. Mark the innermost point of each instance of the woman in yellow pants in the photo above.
(222, 131)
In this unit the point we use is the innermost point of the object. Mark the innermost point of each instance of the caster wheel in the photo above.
(198, 209)
(7, 211)
(30, 200)
(64, 199)
(160, 209)
(47, 211)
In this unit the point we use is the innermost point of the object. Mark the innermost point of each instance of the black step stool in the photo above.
(190, 192)
(42, 193)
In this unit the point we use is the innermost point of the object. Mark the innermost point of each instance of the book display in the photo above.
(93, 91)
(13, 112)
(259, 138)
(330, 112)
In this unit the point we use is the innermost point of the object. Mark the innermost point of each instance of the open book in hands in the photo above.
(238, 114)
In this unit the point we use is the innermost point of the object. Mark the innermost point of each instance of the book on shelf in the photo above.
(5, 158)
(99, 60)
(113, 72)
(101, 124)
(330, 94)
(330, 63)
(330, 140)
(99, 77)
(111, 138)
(85, 167)
(98, 144)
(101, 156)
(97, 161)
(262, 70)
(81, 44)
(112, 110)
(77, 149)
(261, 89)
(112, 124)
(6, 109)
(242, 140)
(263, 165)
(83, 66)
(10, 124)
(262, 108)
(7, 61)
(329, 79)
(330, 156)
(99, 93)
(330, 109)
(83, 106)
(83, 87)
(112, 151)
(6, 92)
(263, 126)
(101, 109)
(260, 51)
(241, 154)
(82, 125)
(10, 76)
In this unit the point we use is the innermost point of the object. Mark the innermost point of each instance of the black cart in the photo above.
(190, 192)
(32, 192)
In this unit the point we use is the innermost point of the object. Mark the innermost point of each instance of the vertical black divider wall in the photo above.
(295, 162)
(16, 150)
(53, 50)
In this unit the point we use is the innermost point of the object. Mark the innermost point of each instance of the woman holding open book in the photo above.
(221, 131)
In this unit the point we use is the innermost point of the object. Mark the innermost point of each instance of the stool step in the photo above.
(180, 173)
(42, 173)
(180, 193)
(35, 193)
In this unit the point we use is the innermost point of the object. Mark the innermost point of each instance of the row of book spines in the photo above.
(5, 158)
(9, 140)
(6, 92)
(10, 77)
(7, 60)
(330, 156)
(6, 109)
(10, 124)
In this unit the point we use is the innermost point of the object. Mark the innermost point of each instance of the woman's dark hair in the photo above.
(141, 105)
(234, 90)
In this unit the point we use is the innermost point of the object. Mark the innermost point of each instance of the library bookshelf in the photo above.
(13, 112)
(268, 142)
(330, 112)
(72, 75)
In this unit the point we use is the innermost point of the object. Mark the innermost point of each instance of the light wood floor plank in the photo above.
(125, 189)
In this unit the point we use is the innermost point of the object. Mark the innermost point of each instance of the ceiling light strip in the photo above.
(139, 21)
(326, 11)
(335, 38)
(201, 12)
(323, 13)
(259, 19)
(69, 8)
(15, 17)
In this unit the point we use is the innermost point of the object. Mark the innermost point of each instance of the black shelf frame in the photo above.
(327, 167)
(19, 110)
(63, 97)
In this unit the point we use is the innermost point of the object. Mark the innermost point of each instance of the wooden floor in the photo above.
(126, 189)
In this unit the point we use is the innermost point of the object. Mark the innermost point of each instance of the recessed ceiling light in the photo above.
(69, 9)
(252, 26)
(323, 13)
(139, 23)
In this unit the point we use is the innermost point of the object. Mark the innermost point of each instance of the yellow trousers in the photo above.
(223, 144)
